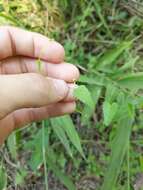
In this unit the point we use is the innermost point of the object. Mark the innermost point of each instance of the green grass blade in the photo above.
(72, 133)
(111, 56)
(91, 80)
(60, 175)
(132, 81)
(3, 178)
(119, 148)
(12, 145)
(65, 123)
(103, 21)
(44, 154)
(57, 126)
(129, 64)
(10, 19)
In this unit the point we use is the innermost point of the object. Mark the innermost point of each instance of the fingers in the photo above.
(70, 95)
(16, 65)
(15, 41)
(22, 117)
(25, 116)
(29, 90)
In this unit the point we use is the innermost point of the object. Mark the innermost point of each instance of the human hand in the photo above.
(28, 94)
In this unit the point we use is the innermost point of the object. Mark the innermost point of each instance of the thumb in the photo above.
(29, 90)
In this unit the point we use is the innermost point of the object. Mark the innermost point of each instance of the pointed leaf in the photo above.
(3, 178)
(109, 111)
(119, 147)
(60, 132)
(111, 56)
(83, 94)
(60, 175)
(66, 124)
(132, 81)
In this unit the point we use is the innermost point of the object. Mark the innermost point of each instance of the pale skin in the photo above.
(28, 94)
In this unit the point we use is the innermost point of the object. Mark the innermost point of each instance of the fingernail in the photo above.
(70, 95)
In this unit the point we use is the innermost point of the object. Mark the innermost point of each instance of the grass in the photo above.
(104, 39)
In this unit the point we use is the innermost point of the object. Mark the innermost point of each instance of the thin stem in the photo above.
(128, 166)
(44, 155)
(43, 125)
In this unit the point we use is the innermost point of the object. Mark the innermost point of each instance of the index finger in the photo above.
(15, 41)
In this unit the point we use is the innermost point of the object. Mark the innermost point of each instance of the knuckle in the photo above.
(7, 45)
(60, 52)
(37, 79)
(39, 84)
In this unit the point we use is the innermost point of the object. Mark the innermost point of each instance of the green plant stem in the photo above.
(43, 127)
(44, 155)
(128, 166)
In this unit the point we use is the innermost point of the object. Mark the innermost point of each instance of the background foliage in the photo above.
(100, 146)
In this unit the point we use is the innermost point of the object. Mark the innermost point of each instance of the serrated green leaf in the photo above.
(109, 112)
(83, 94)
(87, 111)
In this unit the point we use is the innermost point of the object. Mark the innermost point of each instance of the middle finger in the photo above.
(17, 65)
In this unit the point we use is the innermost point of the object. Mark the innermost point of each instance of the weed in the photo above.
(103, 140)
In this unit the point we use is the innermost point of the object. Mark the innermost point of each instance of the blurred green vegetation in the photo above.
(105, 152)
